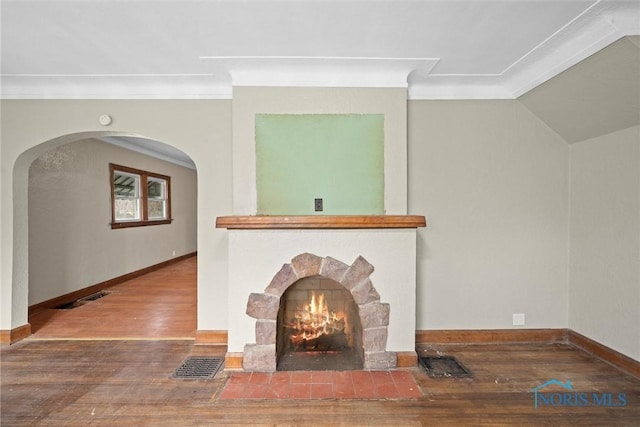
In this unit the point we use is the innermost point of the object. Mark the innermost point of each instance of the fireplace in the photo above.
(369, 259)
(372, 315)
(318, 327)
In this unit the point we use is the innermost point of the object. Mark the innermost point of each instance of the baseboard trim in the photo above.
(90, 290)
(15, 335)
(549, 336)
(212, 337)
(406, 359)
(233, 361)
(488, 336)
(607, 354)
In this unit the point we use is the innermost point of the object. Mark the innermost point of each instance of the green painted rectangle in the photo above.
(338, 158)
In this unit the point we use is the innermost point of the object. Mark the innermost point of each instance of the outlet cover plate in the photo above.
(518, 319)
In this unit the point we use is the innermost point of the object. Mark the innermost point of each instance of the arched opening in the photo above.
(71, 246)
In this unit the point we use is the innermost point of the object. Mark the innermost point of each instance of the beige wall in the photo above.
(200, 128)
(491, 179)
(71, 245)
(605, 240)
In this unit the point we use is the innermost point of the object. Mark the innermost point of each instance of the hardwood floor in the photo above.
(126, 381)
(158, 305)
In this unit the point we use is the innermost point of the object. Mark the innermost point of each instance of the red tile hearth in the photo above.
(305, 385)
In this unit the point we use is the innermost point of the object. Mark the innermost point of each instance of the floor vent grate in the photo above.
(198, 368)
(82, 301)
(444, 367)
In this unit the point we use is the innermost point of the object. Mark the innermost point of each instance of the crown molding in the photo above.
(598, 26)
(593, 30)
(114, 86)
(318, 71)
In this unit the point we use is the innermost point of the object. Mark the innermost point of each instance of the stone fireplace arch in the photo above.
(374, 315)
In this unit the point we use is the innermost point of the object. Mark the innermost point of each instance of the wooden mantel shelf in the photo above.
(264, 222)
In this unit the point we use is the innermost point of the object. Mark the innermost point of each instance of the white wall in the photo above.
(71, 244)
(605, 240)
(255, 256)
(200, 128)
(492, 180)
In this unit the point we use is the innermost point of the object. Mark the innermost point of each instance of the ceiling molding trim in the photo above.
(596, 28)
(586, 35)
(450, 88)
(599, 25)
(319, 71)
(539, 71)
(113, 86)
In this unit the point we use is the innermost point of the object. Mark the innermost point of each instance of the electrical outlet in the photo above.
(518, 319)
(173, 253)
(318, 205)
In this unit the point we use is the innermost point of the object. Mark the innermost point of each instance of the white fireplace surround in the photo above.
(257, 256)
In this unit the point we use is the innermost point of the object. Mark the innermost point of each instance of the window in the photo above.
(139, 197)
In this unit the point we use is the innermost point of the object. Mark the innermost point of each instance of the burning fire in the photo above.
(314, 320)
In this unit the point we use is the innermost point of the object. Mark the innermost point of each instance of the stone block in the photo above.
(365, 293)
(333, 269)
(306, 265)
(266, 332)
(357, 273)
(374, 315)
(263, 306)
(282, 280)
(259, 358)
(374, 339)
(380, 360)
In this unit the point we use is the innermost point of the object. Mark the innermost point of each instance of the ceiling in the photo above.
(464, 49)
(151, 148)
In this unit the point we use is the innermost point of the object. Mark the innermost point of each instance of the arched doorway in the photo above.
(73, 249)
(200, 128)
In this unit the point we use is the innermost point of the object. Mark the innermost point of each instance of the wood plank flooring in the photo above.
(122, 377)
(127, 383)
(158, 305)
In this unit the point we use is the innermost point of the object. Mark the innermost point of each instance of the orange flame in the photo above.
(314, 320)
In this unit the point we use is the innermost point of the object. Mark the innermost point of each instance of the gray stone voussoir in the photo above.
(263, 306)
(282, 280)
(333, 269)
(356, 273)
(306, 265)
(365, 293)
(374, 315)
